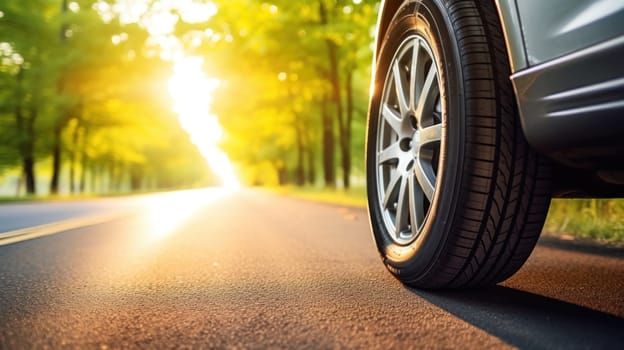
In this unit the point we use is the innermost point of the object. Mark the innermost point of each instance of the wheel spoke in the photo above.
(426, 178)
(407, 151)
(416, 205)
(391, 152)
(394, 181)
(428, 94)
(402, 211)
(413, 73)
(431, 134)
(399, 84)
(392, 118)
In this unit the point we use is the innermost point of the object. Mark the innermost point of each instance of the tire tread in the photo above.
(491, 239)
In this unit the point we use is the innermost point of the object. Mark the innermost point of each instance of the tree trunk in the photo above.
(299, 169)
(282, 174)
(337, 101)
(83, 159)
(136, 177)
(334, 79)
(58, 129)
(56, 160)
(311, 176)
(28, 166)
(346, 138)
(329, 170)
(73, 188)
(26, 137)
(29, 152)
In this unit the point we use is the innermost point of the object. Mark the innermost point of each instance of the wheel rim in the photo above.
(410, 140)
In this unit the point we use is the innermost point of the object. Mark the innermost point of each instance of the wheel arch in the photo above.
(507, 12)
(387, 10)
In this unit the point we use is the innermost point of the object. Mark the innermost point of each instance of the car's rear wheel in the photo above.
(456, 196)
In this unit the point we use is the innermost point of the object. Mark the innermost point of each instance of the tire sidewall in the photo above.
(427, 18)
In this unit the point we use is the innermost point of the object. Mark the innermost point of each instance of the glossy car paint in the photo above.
(572, 107)
(555, 28)
(571, 94)
(508, 13)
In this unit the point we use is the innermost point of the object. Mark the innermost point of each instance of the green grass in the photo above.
(59, 198)
(601, 219)
(17, 199)
(355, 197)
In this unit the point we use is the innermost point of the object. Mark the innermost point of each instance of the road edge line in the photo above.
(25, 234)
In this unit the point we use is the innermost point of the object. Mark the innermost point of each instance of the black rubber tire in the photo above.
(494, 192)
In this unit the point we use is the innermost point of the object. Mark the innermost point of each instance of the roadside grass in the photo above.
(599, 219)
(57, 198)
(354, 197)
(19, 199)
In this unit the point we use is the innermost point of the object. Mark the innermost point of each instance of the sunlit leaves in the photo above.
(89, 78)
(275, 75)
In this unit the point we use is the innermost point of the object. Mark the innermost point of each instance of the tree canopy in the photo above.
(87, 98)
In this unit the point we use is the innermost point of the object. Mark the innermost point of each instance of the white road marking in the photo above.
(28, 233)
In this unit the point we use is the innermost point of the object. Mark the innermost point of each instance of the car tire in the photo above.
(456, 196)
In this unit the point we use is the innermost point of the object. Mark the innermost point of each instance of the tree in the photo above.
(84, 91)
(27, 30)
(292, 98)
(324, 44)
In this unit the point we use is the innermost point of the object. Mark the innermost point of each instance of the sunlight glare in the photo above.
(191, 91)
(168, 211)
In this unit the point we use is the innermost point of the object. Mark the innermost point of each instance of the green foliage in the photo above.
(274, 62)
(595, 218)
(84, 83)
(72, 81)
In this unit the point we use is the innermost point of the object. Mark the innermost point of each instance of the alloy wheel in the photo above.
(410, 140)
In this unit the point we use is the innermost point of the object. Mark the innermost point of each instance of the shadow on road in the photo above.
(529, 320)
(583, 245)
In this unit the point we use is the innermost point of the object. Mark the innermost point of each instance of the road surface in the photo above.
(249, 269)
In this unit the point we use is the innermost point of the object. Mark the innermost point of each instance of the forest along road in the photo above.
(216, 269)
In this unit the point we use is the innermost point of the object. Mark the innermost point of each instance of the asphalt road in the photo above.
(209, 269)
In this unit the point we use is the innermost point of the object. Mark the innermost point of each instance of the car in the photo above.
(481, 111)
